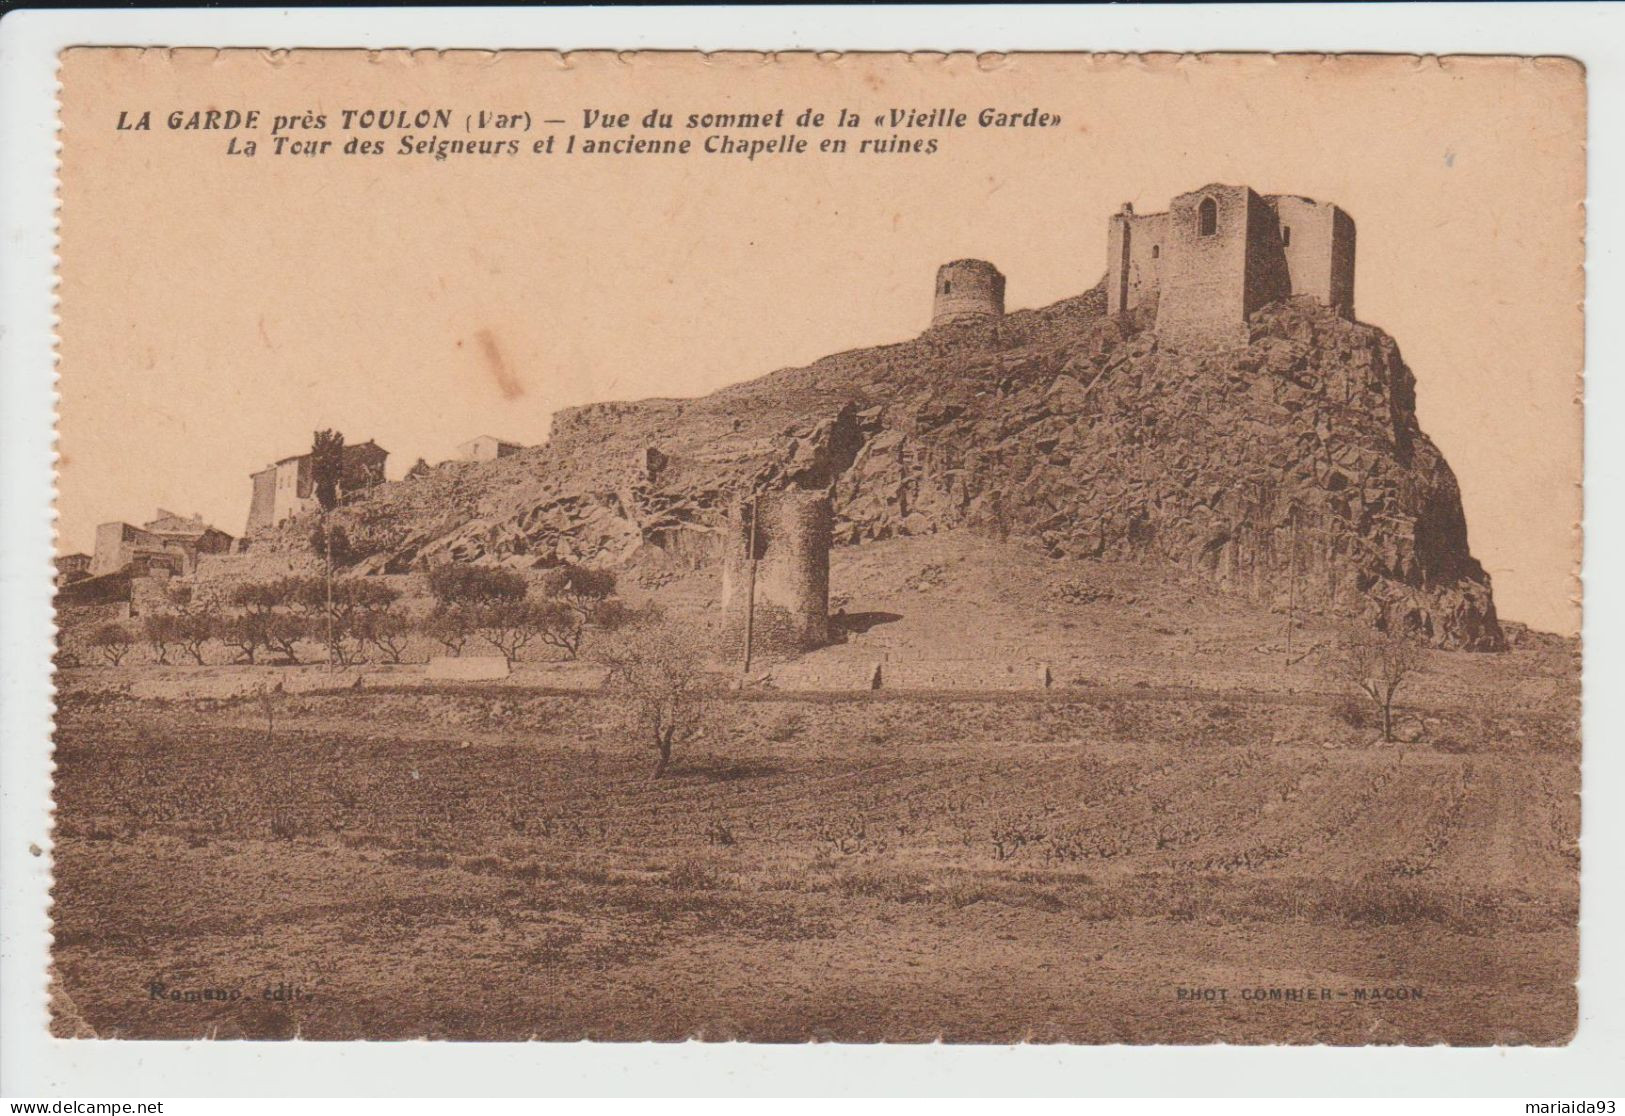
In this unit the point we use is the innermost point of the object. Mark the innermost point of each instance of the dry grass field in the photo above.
(1082, 865)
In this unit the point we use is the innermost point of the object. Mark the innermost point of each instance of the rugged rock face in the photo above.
(1292, 470)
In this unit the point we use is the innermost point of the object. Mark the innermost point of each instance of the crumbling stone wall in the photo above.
(967, 289)
(150, 594)
(1343, 249)
(1134, 247)
(1317, 242)
(788, 612)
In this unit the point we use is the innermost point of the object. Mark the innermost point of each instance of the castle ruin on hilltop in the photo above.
(1221, 252)
(1218, 254)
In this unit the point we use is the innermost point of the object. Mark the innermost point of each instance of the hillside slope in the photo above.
(1289, 470)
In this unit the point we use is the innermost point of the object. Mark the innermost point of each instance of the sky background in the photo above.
(216, 309)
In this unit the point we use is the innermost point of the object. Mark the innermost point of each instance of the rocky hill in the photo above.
(1291, 471)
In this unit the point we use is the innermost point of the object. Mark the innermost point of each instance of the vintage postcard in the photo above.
(1052, 548)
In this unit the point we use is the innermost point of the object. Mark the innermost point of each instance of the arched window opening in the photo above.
(1286, 236)
(1207, 217)
(946, 286)
(1156, 251)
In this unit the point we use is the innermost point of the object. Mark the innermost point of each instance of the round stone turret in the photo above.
(967, 289)
(775, 573)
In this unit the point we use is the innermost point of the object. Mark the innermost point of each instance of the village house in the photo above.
(168, 541)
(288, 488)
(71, 568)
(486, 448)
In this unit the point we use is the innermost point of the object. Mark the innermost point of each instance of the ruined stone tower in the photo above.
(967, 289)
(775, 573)
(1222, 252)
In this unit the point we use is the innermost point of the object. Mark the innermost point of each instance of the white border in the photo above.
(33, 1065)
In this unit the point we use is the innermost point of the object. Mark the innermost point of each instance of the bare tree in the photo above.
(267, 697)
(1377, 664)
(657, 674)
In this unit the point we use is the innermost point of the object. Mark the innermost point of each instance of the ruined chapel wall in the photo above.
(1134, 259)
(1259, 250)
(1204, 275)
(1318, 243)
(1268, 277)
(1342, 284)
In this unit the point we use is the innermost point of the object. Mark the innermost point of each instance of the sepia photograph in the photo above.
(867, 548)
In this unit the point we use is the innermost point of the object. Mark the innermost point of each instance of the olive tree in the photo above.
(460, 583)
(161, 630)
(485, 601)
(265, 619)
(576, 597)
(244, 632)
(387, 630)
(581, 589)
(450, 626)
(196, 620)
(113, 641)
(510, 625)
(343, 610)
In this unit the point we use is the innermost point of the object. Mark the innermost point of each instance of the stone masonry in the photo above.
(967, 290)
(787, 611)
(1222, 252)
